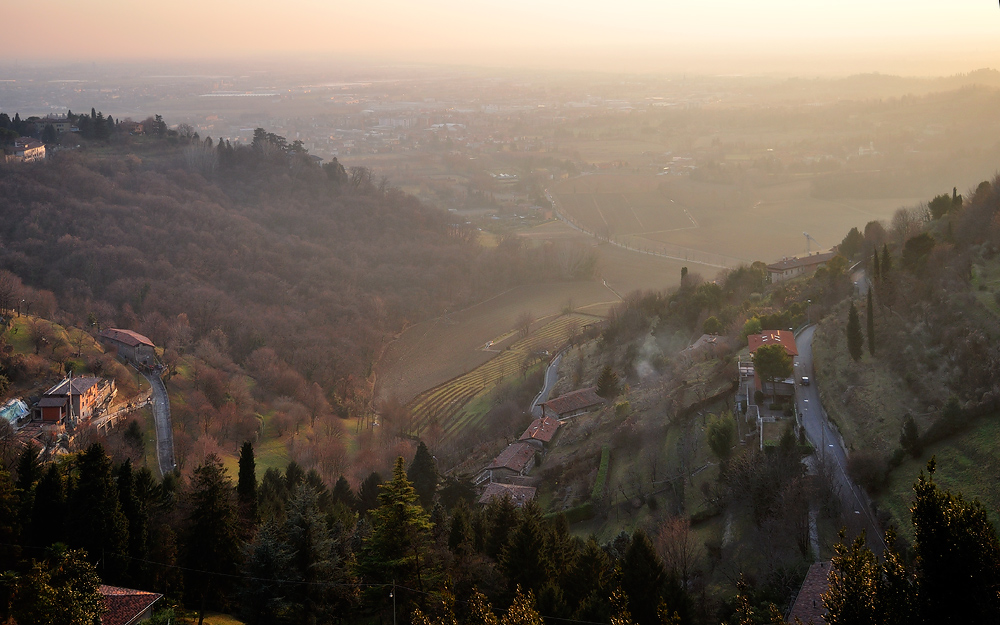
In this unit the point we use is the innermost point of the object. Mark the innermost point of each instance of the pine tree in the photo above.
(212, 542)
(871, 325)
(48, 514)
(607, 383)
(423, 474)
(343, 495)
(246, 486)
(642, 579)
(524, 559)
(96, 521)
(368, 492)
(399, 544)
(135, 515)
(262, 596)
(522, 610)
(855, 339)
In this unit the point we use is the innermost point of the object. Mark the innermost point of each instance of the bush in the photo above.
(869, 469)
(758, 397)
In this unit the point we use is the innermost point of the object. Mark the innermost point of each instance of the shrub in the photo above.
(869, 470)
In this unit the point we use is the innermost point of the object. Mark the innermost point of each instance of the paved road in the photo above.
(827, 442)
(551, 375)
(164, 429)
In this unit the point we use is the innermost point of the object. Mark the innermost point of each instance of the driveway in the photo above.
(827, 442)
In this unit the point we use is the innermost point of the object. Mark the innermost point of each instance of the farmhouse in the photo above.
(541, 432)
(84, 395)
(520, 495)
(131, 346)
(515, 461)
(788, 268)
(125, 606)
(25, 150)
(785, 338)
(572, 404)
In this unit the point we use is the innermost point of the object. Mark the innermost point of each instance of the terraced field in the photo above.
(446, 404)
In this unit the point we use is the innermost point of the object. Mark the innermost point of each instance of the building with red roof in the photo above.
(514, 461)
(573, 403)
(788, 268)
(541, 432)
(125, 606)
(785, 338)
(130, 345)
(518, 494)
(808, 606)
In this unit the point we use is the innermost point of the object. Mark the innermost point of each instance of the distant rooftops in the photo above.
(573, 401)
(541, 430)
(128, 337)
(79, 387)
(516, 457)
(770, 337)
(801, 261)
(520, 495)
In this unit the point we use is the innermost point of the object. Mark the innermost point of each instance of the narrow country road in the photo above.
(164, 429)
(551, 375)
(826, 440)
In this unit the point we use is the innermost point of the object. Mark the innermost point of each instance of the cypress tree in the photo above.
(855, 339)
(423, 474)
(886, 267)
(343, 495)
(871, 325)
(876, 271)
(246, 486)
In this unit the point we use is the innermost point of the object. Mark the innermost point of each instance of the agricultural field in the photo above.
(445, 405)
(712, 223)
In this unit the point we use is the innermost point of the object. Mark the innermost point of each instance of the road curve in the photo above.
(164, 429)
(551, 375)
(828, 444)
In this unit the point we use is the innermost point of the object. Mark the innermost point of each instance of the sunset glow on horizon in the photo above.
(918, 37)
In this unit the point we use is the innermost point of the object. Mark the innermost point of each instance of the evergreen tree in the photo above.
(524, 560)
(63, 589)
(876, 271)
(211, 542)
(480, 611)
(851, 597)
(643, 577)
(272, 496)
(343, 495)
(607, 383)
(29, 470)
(48, 514)
(262, 596)
(855, 339)
(96, 521)
(503, 517)
(909, 437)
(423, 474)
(9, 526)
(49, 134)
(871, 325)
(399, 544)
(246, 486)
(522, 610)
(134, 509)
(588, 583)
(958, 555)
(886, 266)
(294, 476)
(368, 492)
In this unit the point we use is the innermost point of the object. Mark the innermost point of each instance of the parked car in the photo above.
(804, 380)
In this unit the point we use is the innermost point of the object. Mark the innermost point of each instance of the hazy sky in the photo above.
(830, 36)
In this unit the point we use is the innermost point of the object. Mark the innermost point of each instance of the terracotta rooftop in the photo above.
(573, 401)
(520, 495)
(80, 386)
(123, 606)
(801, 261)
(784, 338)
(127, 337)
(515, 457)
(808, 604)
(541, 430)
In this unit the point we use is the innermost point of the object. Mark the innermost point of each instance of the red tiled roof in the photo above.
(515, 457)
(769, 337)
(802, 261)
(127, 337)
(520, 495)
(808, 604)
(573, 401)
(541, 430)
(124, 605)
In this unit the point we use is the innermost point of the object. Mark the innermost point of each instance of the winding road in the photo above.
(828, 444)
(164, 429)
(551, 375)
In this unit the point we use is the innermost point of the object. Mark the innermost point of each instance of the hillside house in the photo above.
(125, 606)
(541, 432)
(25, 150)
(788, 268)
(131, 346)
(518, 494)
(573, 404)
(785, 338)
(514, 461)
(84, 395)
